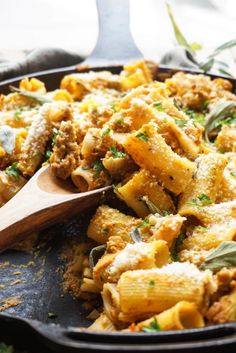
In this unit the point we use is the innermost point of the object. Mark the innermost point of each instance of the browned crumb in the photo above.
(27, 244)
(74, 256)
(17, 281)
(17, 273)
(4, 264)
(9, 303)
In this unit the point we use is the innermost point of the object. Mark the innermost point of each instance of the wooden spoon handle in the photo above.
(28, 213)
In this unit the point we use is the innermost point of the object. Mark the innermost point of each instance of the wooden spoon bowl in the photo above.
(43, 201)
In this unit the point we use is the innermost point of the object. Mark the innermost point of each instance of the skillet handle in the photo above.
(115, 44)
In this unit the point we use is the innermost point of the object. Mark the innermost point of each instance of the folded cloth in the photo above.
(39, 60)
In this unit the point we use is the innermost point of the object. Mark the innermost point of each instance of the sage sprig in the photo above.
(222, 256)
(95, 254)
(210, 62)
(219, 112)
(37, 97)
(135, 235)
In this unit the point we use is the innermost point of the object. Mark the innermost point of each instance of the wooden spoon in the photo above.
(43, 201)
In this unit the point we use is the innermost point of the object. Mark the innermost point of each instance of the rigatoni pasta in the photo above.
(157, 257)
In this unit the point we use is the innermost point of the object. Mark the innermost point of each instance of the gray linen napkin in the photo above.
(38, 60)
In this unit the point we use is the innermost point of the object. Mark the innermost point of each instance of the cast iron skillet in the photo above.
(39, 286)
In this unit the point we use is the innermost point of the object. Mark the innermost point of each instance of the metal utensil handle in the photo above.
(115, 44)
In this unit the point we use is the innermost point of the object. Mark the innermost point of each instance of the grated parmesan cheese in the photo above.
(129, 257)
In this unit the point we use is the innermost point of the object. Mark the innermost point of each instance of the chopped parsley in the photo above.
(113, 107)
(175, 248)
(119, 121)
(152, 327)
(142, 136)
(158, 106)
(199, 201)
(97, 168)
(151, 283)
(233, 174)
(13, 171)
(56, 132)
(106, 132)
(180, 122)
(197, 117)
(144, 223)
(204, 105)
(48, 155)
(227, 121)
(116, 153)
(17, 114)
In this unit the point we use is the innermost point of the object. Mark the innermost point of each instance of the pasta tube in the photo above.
(109, 222)
(40, 132)
(134, 256)
(149, 151)
(160, 289)
(183, 315)
(86, 178)
(143, 184)
(204, 187)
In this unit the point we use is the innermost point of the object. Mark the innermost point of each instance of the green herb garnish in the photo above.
(37, 97)
(222, 256)
(230, 120)
(95, 254)
(150, 205)
(175, 247)
(17, 114)
(142, 136)
(97, 168)
(180, 122)
(219, 113)
(151, 283)
(233, 174)
(56, 132)
(201, 200)
(195, 116)
(135, 235)
(48, 155)
(158, 106)
(116, 153)
(106, 132)
(144, 223)
(210, 61)
(13, 171)
(152, 327)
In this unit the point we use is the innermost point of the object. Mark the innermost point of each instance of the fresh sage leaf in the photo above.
(207, 65)
(37, 97)
(150, 205)
(95, 254)
(222, 256)
(152, 327)
(181, 40)
(135, 235)
(8, 138)
(227, 45)
(219, 112)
